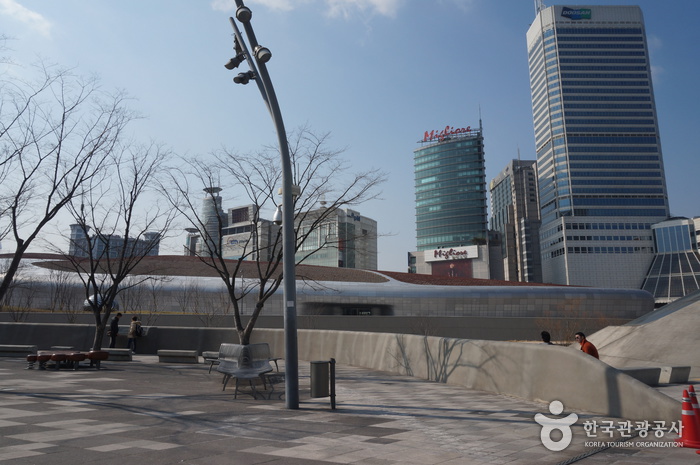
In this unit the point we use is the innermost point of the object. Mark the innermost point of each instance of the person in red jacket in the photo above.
(586, 346)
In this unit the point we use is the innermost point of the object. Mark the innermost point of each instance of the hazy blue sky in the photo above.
(374, 73)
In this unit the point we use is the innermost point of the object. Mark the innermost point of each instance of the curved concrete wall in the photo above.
(530, 371)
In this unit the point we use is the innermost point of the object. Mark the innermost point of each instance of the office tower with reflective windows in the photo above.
(515, 215)
(599, 162)
(451, 223)
(450, 189)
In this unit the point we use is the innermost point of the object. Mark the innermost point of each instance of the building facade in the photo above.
(675, 271)
(343, 239)
(246, 234)
(451, 216)
(515, 216)
(450, 189)
(599, 162)
(110, 245)
(472, 261)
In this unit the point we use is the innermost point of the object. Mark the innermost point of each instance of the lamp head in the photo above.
(262, 54)
(243, 14)
(244, 78)
(234, 62)
(277, 217)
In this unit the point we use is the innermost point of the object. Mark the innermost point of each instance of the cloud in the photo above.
(464, 5)
(654, 43)
(348, 8)
(334, 8)
(279, 5)
(19, 13)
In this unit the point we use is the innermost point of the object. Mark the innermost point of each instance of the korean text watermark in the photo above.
(631, 434)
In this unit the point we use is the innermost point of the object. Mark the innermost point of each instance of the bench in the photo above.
(178, 356)
(653, 376)
(674, 375)
(119, 355)
(249, 362)
(16, 350)
(211, 357)
(647, 375)
(272, 378)
(97, 356)
(67, 358)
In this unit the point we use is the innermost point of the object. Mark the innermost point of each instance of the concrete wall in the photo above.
(529, 371)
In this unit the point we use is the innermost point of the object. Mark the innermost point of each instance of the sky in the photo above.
(375, 74)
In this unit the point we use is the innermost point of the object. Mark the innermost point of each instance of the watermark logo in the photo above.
(618, 433)
(549, 425)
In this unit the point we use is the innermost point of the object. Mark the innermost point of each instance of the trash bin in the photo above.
(320, 378)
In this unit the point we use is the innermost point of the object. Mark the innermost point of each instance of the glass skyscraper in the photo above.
(450, 189)
(515, 215)
(600, 169)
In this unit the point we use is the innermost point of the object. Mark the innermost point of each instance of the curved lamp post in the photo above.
(258, 72)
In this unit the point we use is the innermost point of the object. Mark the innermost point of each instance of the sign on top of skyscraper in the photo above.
(576, 13)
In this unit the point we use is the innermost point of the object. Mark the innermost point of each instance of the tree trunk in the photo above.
(12, 269)
(100, 325)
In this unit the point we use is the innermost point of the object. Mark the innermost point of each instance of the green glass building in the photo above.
(450, 189)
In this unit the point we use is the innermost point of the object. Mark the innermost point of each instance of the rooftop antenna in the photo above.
(481, 129)
(539, 6)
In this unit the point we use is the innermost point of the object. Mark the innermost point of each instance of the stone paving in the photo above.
(158, 413)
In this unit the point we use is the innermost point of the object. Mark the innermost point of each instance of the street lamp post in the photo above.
(258, 72)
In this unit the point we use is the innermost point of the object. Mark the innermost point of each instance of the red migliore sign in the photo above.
(441, 135)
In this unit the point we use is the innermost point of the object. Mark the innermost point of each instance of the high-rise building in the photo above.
(247, 235)
(214, 220)
(344, 238)
(515, 215)
(600, 168)
(102, 246)
(451, 218)
(450, 189)
(340, 238)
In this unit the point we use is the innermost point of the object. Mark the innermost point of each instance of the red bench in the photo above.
(68, 358)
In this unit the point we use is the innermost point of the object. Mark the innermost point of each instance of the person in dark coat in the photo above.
(114, 330)
(546, 338)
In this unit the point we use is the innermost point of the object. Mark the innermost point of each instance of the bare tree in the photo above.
(62, 294)
(121, 223)
(323, 179)
(154, 296)
(18, 299)
(56, 136)
(132, 297)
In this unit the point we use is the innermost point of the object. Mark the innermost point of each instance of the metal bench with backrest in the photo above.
(249, 362)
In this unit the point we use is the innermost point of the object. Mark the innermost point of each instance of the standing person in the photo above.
(114, 330)
(134, 332)
(586, 346)
(546, 338)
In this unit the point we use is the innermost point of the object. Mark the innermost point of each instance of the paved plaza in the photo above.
(149, 412)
